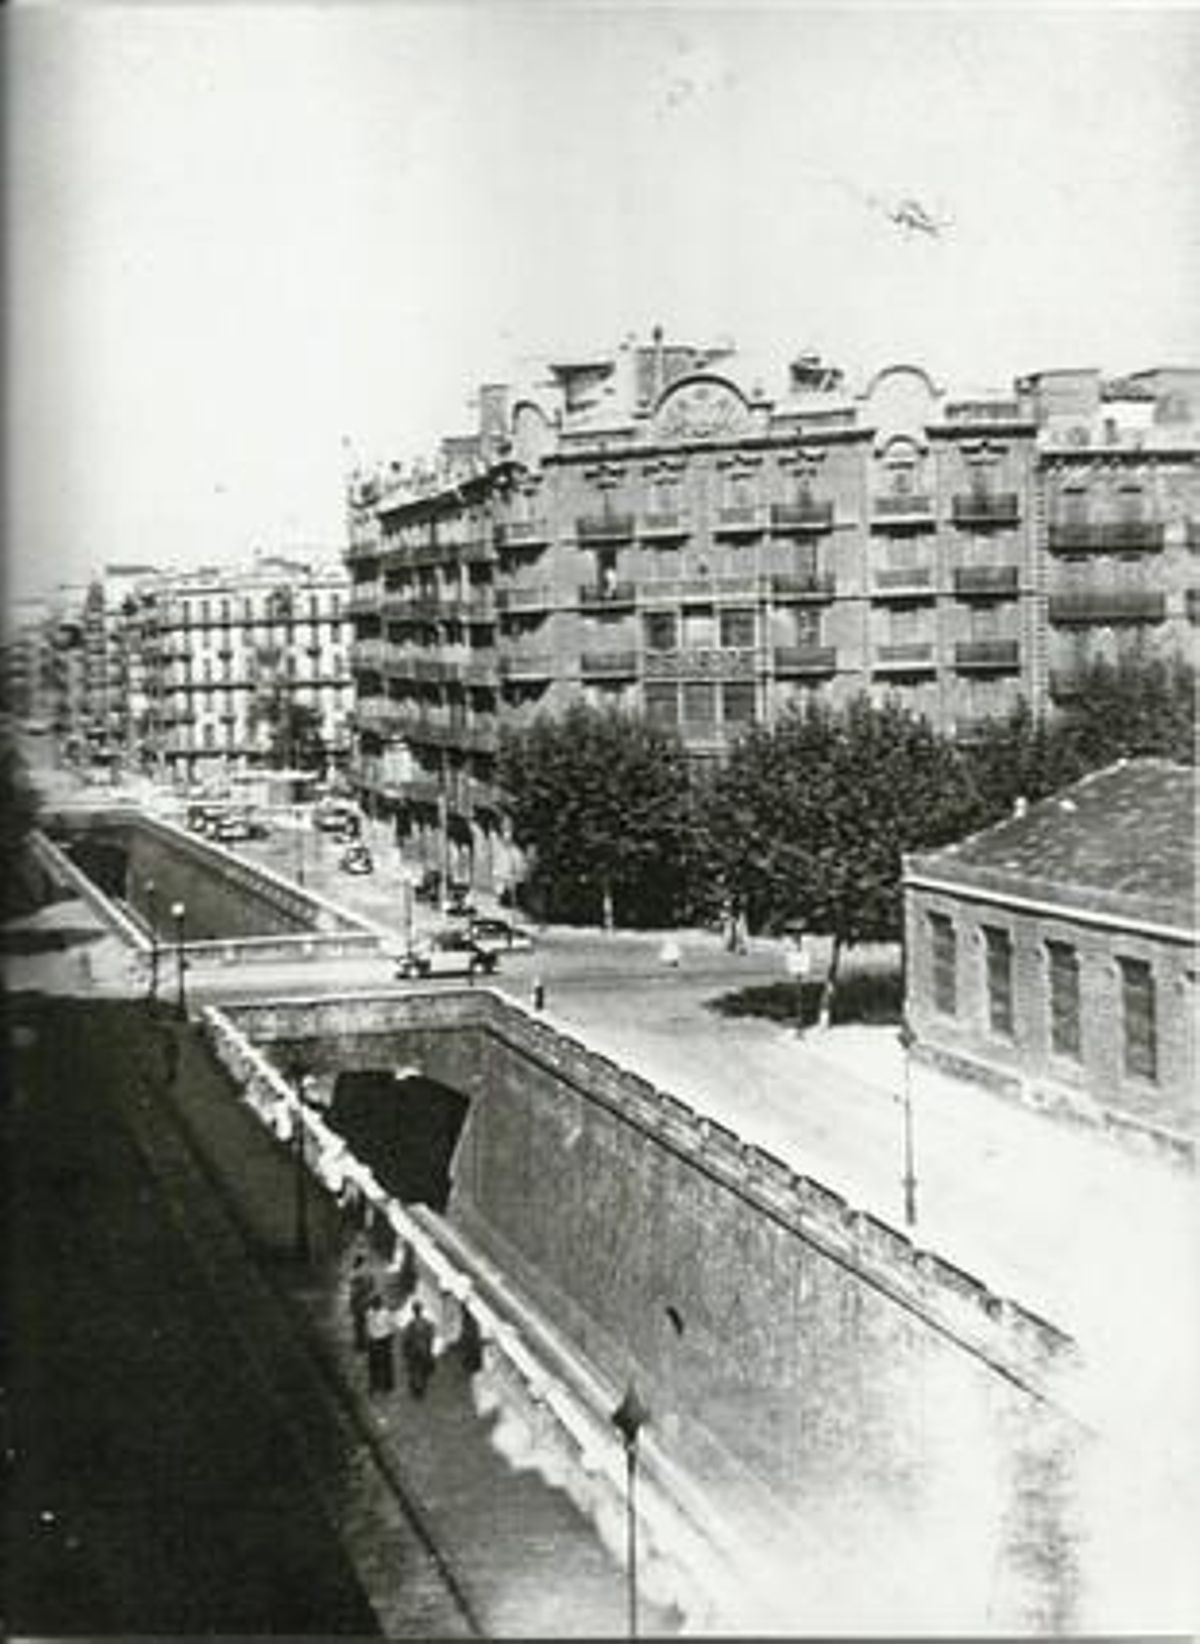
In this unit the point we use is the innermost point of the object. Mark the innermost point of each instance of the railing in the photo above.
(525, 665)
(906, 509)
(972, 508)
(985, 580)
(911, 579)
(802, 516)
(608, 664)
(363, 600)
(514, 533)
(1112, 605)
(983, 411)
(1191, 604)
(662, 524)
(718, 587)
(805, 659)
(791, 585)
(703, 662)
(525, 599)
(735, 521)
(1106, 536)
(594, 595)
(603, 527)
(987, 653)
(911, 654)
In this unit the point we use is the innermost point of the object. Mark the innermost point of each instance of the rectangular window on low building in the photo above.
(699, 703)
(1065, 1037)
(999, 980)
(662, 705)
(1140, 1028)
(737, 630)
(661, 630)
(737, 702)
(944, 948)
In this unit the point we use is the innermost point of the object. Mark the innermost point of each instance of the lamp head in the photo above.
(630, 1416)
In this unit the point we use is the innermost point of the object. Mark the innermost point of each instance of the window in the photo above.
(662, 705)
(661, 631)
(737, 702)
(945, 963)
(699, 703)
(737, 629)
(1138, 1022)
(904, 624)
(1064, 999)
(999, 980)
(807, 627)
(699, 628)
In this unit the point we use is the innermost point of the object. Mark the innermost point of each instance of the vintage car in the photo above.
(446, 953)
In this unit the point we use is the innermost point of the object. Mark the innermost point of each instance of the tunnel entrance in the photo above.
(404, 1127)
(104, 861)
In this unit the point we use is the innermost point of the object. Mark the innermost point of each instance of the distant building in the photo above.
(1057, 951)
(651, 528)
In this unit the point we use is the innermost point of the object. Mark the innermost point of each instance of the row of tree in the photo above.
(805, 822)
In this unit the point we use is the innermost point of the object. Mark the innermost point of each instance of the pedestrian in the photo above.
(380, 1326)
(359, 1290)
(539, 993)
(417, 1347)
(470, 1342)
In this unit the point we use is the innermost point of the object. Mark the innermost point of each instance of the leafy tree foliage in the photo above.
(1136, 707)
(601, 803)
(807, 822)
(18, 816)
(294, 731)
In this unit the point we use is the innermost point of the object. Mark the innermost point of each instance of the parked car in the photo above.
(499, 936)
(448, 953)
(356, 859)
(332, 815)
(231, 830)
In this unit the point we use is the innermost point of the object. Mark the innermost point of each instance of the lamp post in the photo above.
(629, 1418)
(179, 915)
(910, 1167)
(299, 1079)
(152, 919)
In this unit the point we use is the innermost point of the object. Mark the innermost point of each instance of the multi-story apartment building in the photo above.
(28, 662)
(650, 529)
(224, 651)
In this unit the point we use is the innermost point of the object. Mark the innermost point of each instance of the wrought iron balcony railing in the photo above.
(985, 581)
(902, 510)
(786, 585)
(1102, 606)
(596, 595)
(904, 582)
(608, 664)
(987, 654)
(739, 521)
(1106, 536)
(604, 527)
(805, 659)
(911, 654)
(983, 508)
(801, 516)
(663, 524)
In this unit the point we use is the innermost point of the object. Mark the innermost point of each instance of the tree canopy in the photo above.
(601, 804)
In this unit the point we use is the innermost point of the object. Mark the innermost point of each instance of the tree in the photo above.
(18, 817)
(601, 803)
(294, 730)
(807, 822)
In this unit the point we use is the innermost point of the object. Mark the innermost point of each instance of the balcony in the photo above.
(522, 533)
(985, 581)
(805, 659)
(979, 510)
(739, 522)
(914, 656)
(540, 598)
(374, 712)
(1107, 606)
(595, 596)
(908, 582)
(526, 665)
(902, 512)
(421, 790)
(672, 589)
(1106, 537)
(664, 525)
(363, 600)
(1191, 604)
(608, 664)
(592, 528)
(987, 655)
(707, 662)
(790, 517)
(788, 586)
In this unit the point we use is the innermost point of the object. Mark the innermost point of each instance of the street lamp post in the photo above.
(910, 1166)
(179, 915)
(629, 1418)
(303, 1240)
(152, 919)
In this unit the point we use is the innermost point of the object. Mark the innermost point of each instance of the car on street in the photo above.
(230, 830)
(446, 953)
(499, 935)
(333, 815)
(356, 859)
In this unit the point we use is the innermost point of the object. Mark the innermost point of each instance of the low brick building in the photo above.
(1056, 951)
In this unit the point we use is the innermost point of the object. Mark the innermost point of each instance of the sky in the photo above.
(249, 244)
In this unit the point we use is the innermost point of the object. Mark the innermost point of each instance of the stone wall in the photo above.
(800, 1351)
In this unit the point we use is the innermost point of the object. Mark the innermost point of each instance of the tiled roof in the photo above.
(1122, 841)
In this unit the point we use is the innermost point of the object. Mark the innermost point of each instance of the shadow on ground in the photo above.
(872, 998)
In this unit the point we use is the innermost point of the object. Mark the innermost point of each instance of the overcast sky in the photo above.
(240, 235)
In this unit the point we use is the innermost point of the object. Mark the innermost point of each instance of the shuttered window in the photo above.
(999, 980)
(945, 963)
(1064, 999)
(1140, 1028)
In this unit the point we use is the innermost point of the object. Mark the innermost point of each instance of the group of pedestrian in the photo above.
(376, 1321)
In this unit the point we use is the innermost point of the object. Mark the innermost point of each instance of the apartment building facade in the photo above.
(652, 530)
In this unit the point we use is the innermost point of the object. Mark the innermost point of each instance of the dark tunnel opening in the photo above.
(405, 1129)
